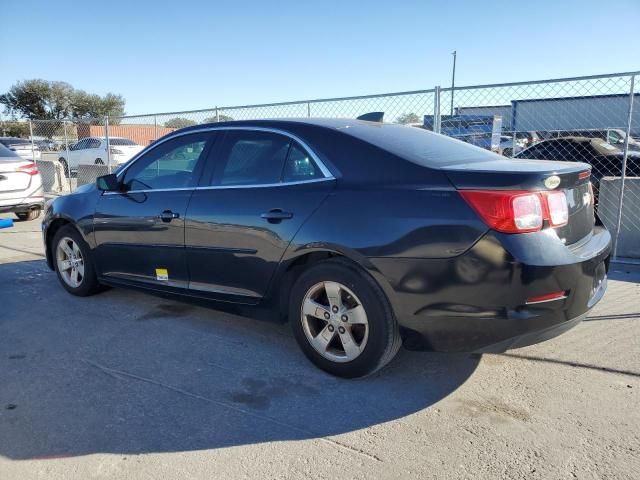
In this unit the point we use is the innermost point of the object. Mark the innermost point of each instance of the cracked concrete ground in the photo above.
(125, 385)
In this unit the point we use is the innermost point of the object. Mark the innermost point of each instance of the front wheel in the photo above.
(73, 263)
(342, 319)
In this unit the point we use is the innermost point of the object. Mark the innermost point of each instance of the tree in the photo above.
(179, 122)
(94, 107)
(220, 118)
(14, 129)
(39, 99)
(408, 118)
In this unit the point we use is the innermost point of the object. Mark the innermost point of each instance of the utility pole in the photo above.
(453, 80)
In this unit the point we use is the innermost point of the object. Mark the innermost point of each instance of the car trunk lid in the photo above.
(535, 176)
(11, 179)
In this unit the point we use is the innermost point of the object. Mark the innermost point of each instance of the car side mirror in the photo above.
(108, 183)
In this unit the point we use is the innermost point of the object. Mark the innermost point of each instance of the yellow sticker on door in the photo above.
(162, 274)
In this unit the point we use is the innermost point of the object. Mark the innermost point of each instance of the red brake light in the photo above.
(585, 174)
(31, 169)
(518, 211)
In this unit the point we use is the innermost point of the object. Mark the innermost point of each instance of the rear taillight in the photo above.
(518, 211)
(31, 169)
(557, 208)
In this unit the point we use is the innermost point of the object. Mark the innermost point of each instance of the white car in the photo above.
(93, 151)
(20, 186)
(22, 147)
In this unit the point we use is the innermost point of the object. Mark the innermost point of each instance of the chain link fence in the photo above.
(591, 119)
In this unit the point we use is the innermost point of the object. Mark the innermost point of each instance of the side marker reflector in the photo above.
(549, 297)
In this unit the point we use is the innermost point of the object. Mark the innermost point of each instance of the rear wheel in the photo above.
(342, 319)
(30, 215)
(73, 263)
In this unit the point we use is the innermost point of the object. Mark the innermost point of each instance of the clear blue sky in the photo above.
(182, 55)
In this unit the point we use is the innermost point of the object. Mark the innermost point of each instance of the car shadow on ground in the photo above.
(127, 373)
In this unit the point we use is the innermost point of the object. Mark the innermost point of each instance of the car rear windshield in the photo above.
(420, 146)
(7, 155)
(121, 142)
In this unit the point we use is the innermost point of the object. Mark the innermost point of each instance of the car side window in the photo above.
(614, 137)
(94, 143)
(251, 158)
(175, 163)
(299, 166)
(540, 152)
(81, 145)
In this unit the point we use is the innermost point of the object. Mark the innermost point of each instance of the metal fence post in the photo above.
(217, 115)
(309, 109)
(436, 109)
(155, 128)
(66, 174)
(624, 167)
(33, 150)
(106, 134)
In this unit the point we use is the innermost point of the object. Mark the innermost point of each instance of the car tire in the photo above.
(99, 161)
(65, 166)
(30, 215)
(324, 341)
(87, 281)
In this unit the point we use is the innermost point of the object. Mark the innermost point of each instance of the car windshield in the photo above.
(7, 155)
(120, 142)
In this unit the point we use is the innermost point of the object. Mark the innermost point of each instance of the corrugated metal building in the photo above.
(564, 113)
(504, 111)
(571, 113)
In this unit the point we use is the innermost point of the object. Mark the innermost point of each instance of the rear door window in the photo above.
(251, 158)
(299, 166)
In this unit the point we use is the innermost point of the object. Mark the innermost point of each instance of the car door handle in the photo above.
(168, 215)
(276, 215)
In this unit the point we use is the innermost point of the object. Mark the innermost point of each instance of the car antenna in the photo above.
(372, 117)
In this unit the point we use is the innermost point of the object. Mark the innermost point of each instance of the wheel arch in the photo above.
(54, 226)
(303, 258)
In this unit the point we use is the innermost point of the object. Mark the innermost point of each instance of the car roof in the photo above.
(330, 123)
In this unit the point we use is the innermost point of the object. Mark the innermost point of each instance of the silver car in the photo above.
(20, 186)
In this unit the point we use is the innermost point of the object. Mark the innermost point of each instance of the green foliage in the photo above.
(92, 106)
(221, 118)
(179, 122)
(14, 129)
(408, 118)
(49, 100)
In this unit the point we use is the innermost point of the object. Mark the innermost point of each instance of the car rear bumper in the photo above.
(477, 302)
(23, 207)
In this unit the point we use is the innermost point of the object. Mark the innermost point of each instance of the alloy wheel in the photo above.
(70, 262)
(334, 321)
